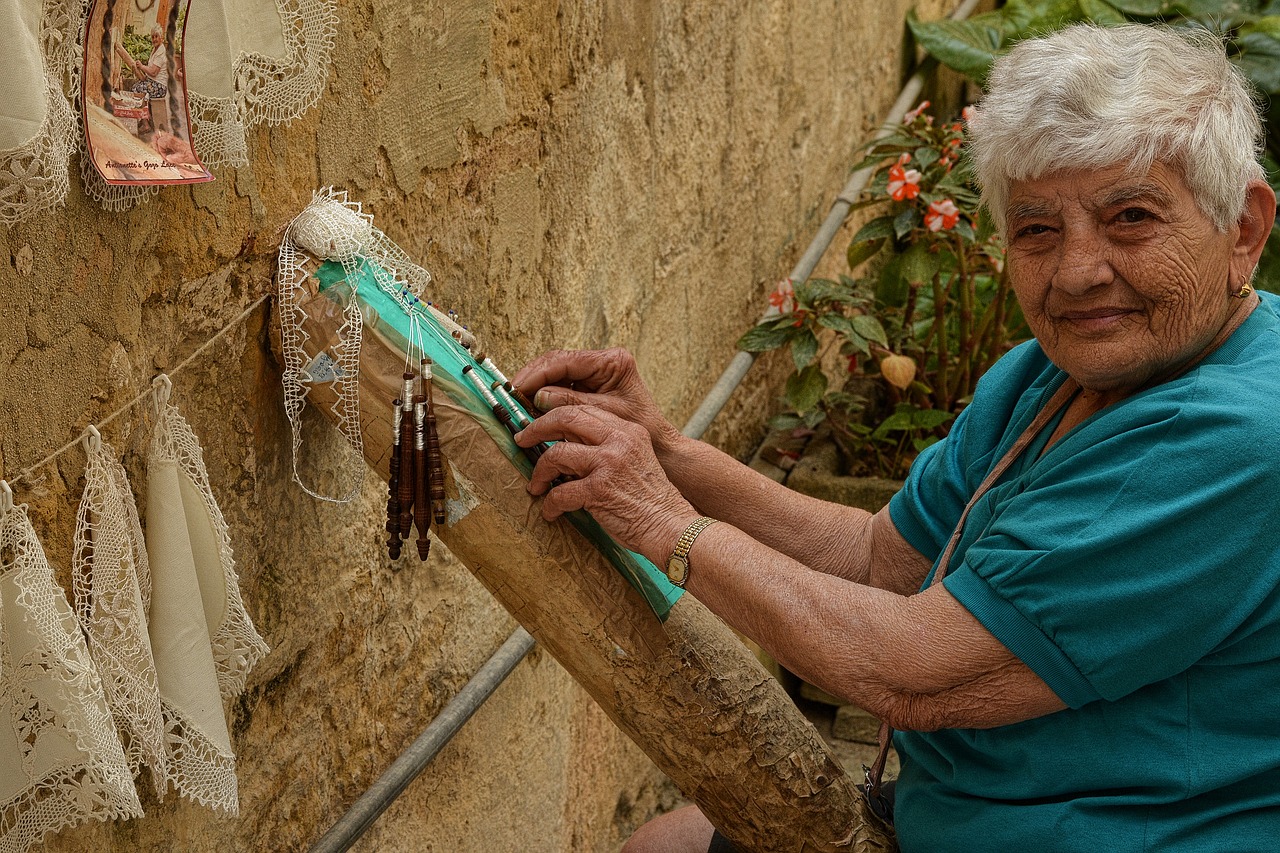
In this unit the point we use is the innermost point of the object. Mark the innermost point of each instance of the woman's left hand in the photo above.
(609, 469)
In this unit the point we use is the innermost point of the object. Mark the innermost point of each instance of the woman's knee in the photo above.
(684, 830)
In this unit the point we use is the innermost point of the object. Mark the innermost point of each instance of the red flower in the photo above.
(942, 215)
(914, 114)
(783, 297)
(853, 363)
(903, 183)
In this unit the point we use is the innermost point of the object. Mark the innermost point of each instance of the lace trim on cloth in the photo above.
(332, 227)
(217, 130)
(345, 227)
(34, 176)
(280, 89)
(237, 646)
(111, 582)
(64, 763)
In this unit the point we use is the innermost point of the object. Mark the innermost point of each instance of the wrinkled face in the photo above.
(1120, 276)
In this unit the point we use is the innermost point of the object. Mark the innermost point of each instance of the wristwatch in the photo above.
(678, 562)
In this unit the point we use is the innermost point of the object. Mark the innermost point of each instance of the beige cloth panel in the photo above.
(256, 27)
(61, 762)
(179, 633)
(206, 552)
(209, 54)
(219, 32)
(24, 105)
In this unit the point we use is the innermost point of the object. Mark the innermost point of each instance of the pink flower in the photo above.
(903, 183)
(784, 297)
(914, 114)
(967, 114)
(942, 215)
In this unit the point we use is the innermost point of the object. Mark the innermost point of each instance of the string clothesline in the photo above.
(25, 473)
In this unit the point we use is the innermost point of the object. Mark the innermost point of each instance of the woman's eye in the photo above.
(1134, 214)
(1032, 230)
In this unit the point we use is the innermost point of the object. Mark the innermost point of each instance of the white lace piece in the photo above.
(334, 228)
(278, 89)
(237, 646)
(337, 226)
(218, 131)
(276, 79)
(34, 175)
(61, 762)
(111, 582)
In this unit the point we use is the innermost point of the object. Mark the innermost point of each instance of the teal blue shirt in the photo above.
(1135, 567)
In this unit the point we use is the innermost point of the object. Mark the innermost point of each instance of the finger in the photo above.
(555, 396)
(562, 461)
(594, 370)
(566, 497)
(581, 424)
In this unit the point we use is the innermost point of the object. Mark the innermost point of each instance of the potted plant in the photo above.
(887, 355)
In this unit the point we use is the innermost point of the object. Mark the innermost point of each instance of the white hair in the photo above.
(1089, 97)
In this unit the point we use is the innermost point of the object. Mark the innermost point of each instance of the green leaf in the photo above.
(813, 418)
(805, 389)
(968, 46)
(1143, 8)
(784, 421)
(763, 338)
(897, 422)
(925, 156)
(905, 221)
(930, 418)
(919, 264)
(1267, 25)
(965, 230)
(869, 327)
(803, 348)
(863, 251)
(877, 229)
(837, 322)
(1102, 13)
(892, 288)
(1259, 59)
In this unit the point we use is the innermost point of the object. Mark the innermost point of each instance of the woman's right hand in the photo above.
(607, 379)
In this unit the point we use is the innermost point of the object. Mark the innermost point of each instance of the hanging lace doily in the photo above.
(62, 763)
(202, 639)
(33, 170)
(111, 581)
(237, 647)
(254, 62)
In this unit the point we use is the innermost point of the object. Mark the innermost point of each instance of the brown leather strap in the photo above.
(875, 773)
(1057, 402)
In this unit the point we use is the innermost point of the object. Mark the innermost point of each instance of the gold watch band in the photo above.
(678, 562)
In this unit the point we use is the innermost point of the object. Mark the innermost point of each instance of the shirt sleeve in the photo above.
(943, 477)
(1134, 547)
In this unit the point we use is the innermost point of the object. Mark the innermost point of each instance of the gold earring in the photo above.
(1244, 290)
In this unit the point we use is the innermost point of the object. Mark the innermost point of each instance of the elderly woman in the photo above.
(1100, 668)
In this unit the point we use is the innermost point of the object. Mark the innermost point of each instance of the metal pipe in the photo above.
(440, 731)
(414, 760)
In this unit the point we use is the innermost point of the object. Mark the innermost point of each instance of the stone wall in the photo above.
(618, 172)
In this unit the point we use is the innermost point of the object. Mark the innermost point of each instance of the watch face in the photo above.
(677, 570)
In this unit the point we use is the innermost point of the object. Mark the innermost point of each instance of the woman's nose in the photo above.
(1085, 263)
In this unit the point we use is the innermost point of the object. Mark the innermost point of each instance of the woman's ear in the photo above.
(1254, 227)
